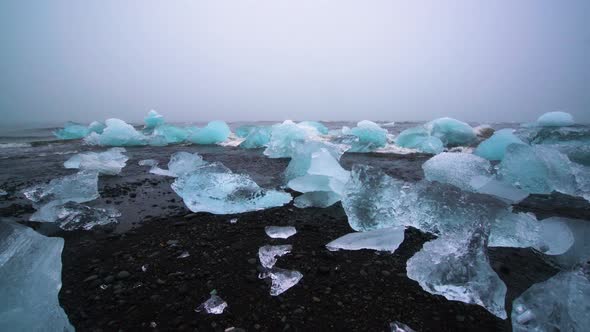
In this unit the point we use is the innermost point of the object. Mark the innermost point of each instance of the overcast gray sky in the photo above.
(192, 60)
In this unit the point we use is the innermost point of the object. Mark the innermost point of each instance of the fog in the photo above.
(234, 60)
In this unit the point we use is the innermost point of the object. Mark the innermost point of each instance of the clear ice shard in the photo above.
(153, 119)
(30, 275)
(80, 187)
(109, 162)
(216, 189)
(386, 239)
(319, 199)
(579, 252)
(74, 216)
(180, 163)
(456, 266)
(419, 138)
(400, 327)
(148, 162)
(268, 254)
(280, 232)
(214, 132)
(561, 303)
(281, 280)
(456, 169)
(117, 133)
(257, 137)
(72, 130)
(501, 190)
(370, 136)
(556, 119)
(214, 305)
(284, 138)
(494, 147)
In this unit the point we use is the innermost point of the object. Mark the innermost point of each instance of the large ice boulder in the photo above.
(30, 275)
(419, 138)
(561, 303)
(117, 133)
(556, 119)
(96, 127)
(216, 189)
(317, 125)
(494, 147)
(257, 137)
(451, 132)
(243, 131)
(109, 162)
(72, 130)
(573, 141)
(153, 119)
(214, 132)
(285, 137)
(457, 169)
(171, 134)
(370, 136)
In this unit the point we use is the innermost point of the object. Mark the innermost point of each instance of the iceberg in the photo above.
(370, 136)
(216, 189)
(215, 132)
(30, 275)
(456, 266)
(558, 304)
(268, 254)
(281, 280)
(79, 188)
(214, 305)
(317, 125)
(285, 137)
(457, 169)
(494, 147)
(170, 134)
(72, 130)
(280, 232)
(109, 162)
(419, 138)
(153, 119)
(257, 138)
(117, 133)
(386, 239)
(556, 119)
(451, 132)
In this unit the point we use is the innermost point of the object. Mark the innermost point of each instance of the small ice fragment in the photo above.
(400, 327)
(153, 325)
(184, 254)
(268, 254)
(3, 192)
(103, 286)
(148, 162)
(233, 221)
(214, 305)
(144, 268)
(385, 239)
(281, 280)
(280, 232)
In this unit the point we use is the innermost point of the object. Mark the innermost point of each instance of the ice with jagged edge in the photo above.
(285, 136)
(117, 133)
(216, 189)
(180, 163)
(30, 275)
(80, 187)
(257, 137)
(109, 162)
(556, 119)
(386, 239)
(74, 216)
(214, 305)
(419, 138)
(522, 230)
(153, 119)
(280, 232)
(400, 327)
(317, 125)
(370, 136)
(170, 134)
(456, 266)
(451, 132)
(572, 141)
(214, 132)
(72, 130)
(558, 304)
(281, 280)
(268, 254)
(579, 252)
(494, 147)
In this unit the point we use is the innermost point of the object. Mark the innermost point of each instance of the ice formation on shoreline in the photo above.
(370, 136)
(214, 132)
(280, 232)
(281, 280)
(494, 147)
(109, 162)
(268, 254)
(385, 239)
(555, 119)
(153, 119)
(214, 305)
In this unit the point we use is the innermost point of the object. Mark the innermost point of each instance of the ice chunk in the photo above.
(494, 147)
(153, 119)
(80, 187)
(214, 305)
(556, 119)
(3, 192)
(258, 137)
(317, 125)
(109, 162)
(281, 280)
(457, 169)
(573, 141)
(320, 199)
(579, 252)
(302, 156)
(30, 275)
(117, 133)
(400, 327)
(184, 162)
(285, 137)
(456, 266)
(244, 131)
(280, 232)
(72, 130)
(214, 188)
(498, 189)
(148, 162)
(268, 254)
(215, 132)
(419, 138)
(451, 132)
(370, 136)
(96, 127)
(558, 304)
(386, 239)
(170, 134)
(74, 216)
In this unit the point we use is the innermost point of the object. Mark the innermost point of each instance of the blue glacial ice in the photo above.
(556, 119)
(109, 162)
(245, 130)
(451, 132)
(457, 169)
(456, 266)
(216, 189)
(72, 130)
(370, 136)
(317, 125)
(117, 133)
(171, 134)
(96, 127)
(419, 138)
(280, 232)
(180, 163)
(573, 141)
(153, 119)
(561, 303)
(320, 199)
(257, 137)
(386, 239)
(286, 136)
(30, 275)
(579, 252)
(214, 132)
(494, 147)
